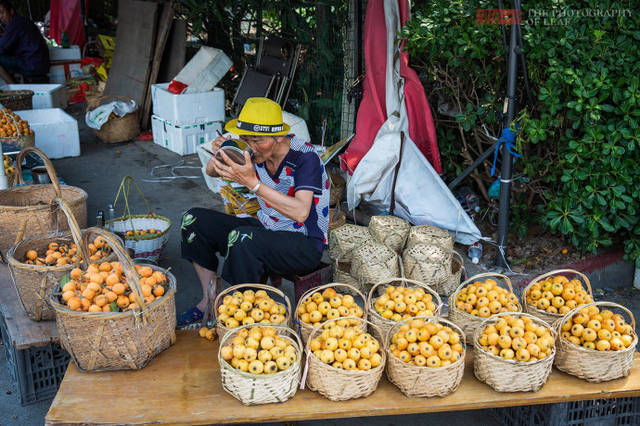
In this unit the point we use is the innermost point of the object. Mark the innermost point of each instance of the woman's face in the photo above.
(6, 15)
(262, 146)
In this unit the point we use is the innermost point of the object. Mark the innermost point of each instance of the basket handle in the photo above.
(558, 271)
(265, 287)
(569, 314)
(404, 281)
(436, 319)
(127, 264)
(76, 233)
(483, 275)
(461, 260)
(324, 286)
(125, 188)
(51, 171)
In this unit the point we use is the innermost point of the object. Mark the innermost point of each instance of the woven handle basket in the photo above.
(391, 231)
(304, 328)
(415, 381)
(429, 234)
(336, 384)
(128, 340)
(344, 239)
(430, 264)
(548, 316)
(254, 389)
(467, 322)
(506, 375)
(386, 324)
(592, 365)
(341, 274)
(372, 262)
(222, 330)
(451, 283)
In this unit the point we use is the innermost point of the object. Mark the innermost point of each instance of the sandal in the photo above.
(189, 317)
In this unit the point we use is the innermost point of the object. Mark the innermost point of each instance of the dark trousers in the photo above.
(249, 249)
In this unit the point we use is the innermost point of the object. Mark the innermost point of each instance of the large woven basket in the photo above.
(452, 281)
(467, 322)
(100, 341)
(147, 247)
(117, 129)
(338, 187)
(222, 330)
(344, 239)
(343, 288)
(428, 263)
(17, 100)
(415, 381)
(506, 375)
(29, 210)
(337, 218)
(254, 389)
(548, 316)
(336, 384)
(390, 230)
(373, 262)
(429, 234)
(592, 365)
(34, 283)
(386, 324)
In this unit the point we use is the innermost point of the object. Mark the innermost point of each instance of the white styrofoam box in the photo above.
(44, 95)
(65, 54)
(298, 125)
(56, 131)
(183, 139)
(204, 70)
(187, 107)
(56, 73)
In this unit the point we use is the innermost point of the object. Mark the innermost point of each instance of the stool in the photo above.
(322, 275)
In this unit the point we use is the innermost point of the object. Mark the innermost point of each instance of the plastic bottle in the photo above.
(475, 252)
(111, 214)
(100, 219)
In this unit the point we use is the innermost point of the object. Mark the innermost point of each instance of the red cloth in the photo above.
(66, 16)
(372, 111)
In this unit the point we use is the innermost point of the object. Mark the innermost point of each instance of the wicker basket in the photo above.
(506, 375)
(415, 381)
(373, 262)
(548, 316)
(451, 283)
(591, 365)
(429, 234)
(33, 282)
(304, 328)
(343, 240)
(222, 330)
(338, 187)
(390, 230)
(17, 100)
(117, 129)
(336, 384)
(342, 274)
(386, 324)
(100, 341)
(254, 389)
(467, 322)
(28, 210)
(430, 264)
(143, 247)
(336, 218)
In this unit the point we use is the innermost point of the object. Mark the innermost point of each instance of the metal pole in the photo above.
(466, 172)
(507, 161)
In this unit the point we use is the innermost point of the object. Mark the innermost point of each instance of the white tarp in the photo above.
(421, 196)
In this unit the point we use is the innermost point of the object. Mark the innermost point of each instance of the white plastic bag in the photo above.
(100, 115)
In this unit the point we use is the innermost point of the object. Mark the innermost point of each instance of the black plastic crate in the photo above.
(601, 412)
(37, 371)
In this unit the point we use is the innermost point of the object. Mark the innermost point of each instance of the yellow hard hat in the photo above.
(259, 117)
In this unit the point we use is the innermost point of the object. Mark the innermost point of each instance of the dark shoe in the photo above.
(189, 317)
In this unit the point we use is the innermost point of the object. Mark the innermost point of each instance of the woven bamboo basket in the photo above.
(592, 365)
(28, 210)
(254, 389)
(507, 375)
(34, 283)
(452, 281)
(342, 274)
(378, 289)
(373, 262)
(128, 340)
(17, 100)
(430, 264)
(304, 328)
(147, 247)
(467, 322)
(222, 330)
(117, 129)
(343, 240)
(337, 218)
(415, 381)
(336, 384)
(429, 234)
(548, 316)
(338, 187)
(390, 230)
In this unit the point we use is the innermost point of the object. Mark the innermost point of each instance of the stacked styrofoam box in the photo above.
(183, 139)
(56, 131)
(204, 70)
(44, 95)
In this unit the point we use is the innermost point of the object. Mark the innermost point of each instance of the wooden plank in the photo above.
(135, 37)
(164, 26)
(23, 332)
(175, 52)
(182, 386)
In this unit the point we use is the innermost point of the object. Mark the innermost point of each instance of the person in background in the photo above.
(22, 48)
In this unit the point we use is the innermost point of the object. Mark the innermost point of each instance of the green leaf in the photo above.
(65, 279)
(114, 307)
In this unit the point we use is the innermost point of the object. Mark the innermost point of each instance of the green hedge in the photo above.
(580, 140)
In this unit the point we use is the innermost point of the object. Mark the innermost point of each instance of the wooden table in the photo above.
(182, 386)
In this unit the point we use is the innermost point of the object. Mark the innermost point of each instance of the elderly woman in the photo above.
(292, 187)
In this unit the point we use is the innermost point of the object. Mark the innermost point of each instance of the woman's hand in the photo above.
(244, 174)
